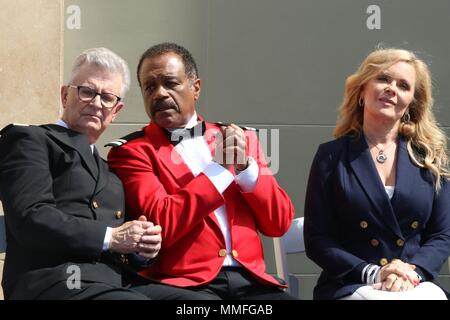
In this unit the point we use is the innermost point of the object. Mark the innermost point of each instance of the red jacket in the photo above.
(160, 185)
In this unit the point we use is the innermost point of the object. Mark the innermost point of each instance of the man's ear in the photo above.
(64, 93)
(197, 86)
(116, 110)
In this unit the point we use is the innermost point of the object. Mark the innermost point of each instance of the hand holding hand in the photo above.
(394, 283)
(400, 269)
(150, 242)
(125, 238)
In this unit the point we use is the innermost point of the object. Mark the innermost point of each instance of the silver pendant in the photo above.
(381, 157)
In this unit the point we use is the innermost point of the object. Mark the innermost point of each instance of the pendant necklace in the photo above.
(382, 156)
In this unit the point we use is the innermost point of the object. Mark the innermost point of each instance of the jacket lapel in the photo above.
(76, 141)
(407, 179)
(230, 192)
(103, 170)
(173, 161)
(364, 168)
(168, 154)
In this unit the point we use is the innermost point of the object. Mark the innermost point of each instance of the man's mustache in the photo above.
(164, 105)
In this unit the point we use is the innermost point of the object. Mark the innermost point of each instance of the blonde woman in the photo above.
(377, 212)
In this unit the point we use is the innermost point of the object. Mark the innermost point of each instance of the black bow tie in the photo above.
(177, 135)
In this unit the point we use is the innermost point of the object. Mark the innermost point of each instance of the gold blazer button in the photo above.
(363, 224)
(222, 252)
(415, 225)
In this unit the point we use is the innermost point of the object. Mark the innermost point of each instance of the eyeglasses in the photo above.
(86, 94)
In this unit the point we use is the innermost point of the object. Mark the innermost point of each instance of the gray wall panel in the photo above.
(298, 145)
(445, 269)
(444, 281)
(286, 62)
(306, 285)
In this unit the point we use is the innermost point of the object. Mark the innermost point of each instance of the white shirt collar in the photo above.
(192, 122)
(60, 122)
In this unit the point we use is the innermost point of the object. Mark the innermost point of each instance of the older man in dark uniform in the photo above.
(64, 209)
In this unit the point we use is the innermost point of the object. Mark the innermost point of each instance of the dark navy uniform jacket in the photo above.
(58, 199)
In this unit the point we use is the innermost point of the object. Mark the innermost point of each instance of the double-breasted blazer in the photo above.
(350, 220)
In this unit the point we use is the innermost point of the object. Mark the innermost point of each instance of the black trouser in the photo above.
(90, 291)
(230, 284)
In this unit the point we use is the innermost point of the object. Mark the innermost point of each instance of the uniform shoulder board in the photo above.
(121, 141)
(13, 125)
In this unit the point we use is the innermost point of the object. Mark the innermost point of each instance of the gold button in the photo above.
(124, 259)
(383, 261)
(234, 253)
(400, 242)
(374, 242)
(222, 252)
(94, 204)
(118, 214)
(363, 224)
(415, 224)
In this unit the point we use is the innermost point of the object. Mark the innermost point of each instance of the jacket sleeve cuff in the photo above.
(220, 177)
(422, 275)
(107, 239)
(247, 178)
(355, 274)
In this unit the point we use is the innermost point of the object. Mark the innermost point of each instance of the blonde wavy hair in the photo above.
(426, 142)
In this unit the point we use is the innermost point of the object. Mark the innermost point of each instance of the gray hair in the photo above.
(106, 59)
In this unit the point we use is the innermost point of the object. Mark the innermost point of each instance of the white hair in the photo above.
(106, 59)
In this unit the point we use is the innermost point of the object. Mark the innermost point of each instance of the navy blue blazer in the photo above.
(350, 220)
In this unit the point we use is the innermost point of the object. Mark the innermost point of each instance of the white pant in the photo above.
(424, 291)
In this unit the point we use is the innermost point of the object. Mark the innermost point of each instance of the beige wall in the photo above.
(31, 39)
(30, 60)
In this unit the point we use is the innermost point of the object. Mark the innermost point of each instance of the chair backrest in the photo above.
(2, 234)
(291, 242)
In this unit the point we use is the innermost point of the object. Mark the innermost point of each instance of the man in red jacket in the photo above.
(207, 185)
